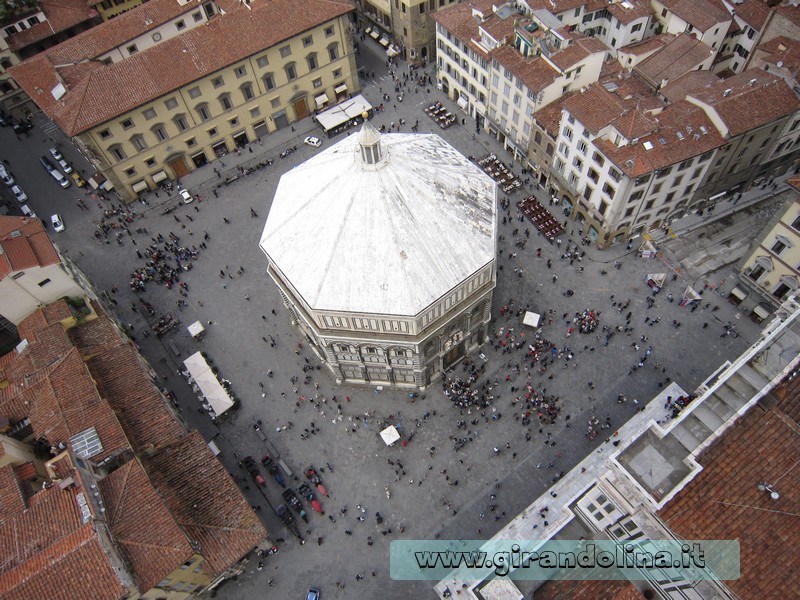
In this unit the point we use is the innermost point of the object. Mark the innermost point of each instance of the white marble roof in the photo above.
(389, 238)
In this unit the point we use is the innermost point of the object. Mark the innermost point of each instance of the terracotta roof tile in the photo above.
(143, 528)
(535, 73)
(648, 45)
(549, 117)
(784, 50)
(28, 247)
(679, 88)
(12, 498)
(61, 15)
(577, 51)
(723, 502)
(680, 55)
(630, 10)
(39, 319)
(789, 12)
(701, 14)
(458, 20)
(122, 381)
(595, 108)
(205, 500)
(753, 12)
(748, 100)
(115, 89)
(587, 590)
(686, 132)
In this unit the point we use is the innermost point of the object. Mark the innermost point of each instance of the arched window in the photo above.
(117, 152)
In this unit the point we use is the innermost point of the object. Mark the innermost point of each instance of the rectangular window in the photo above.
(132, 49)
(255, 112)
(567, 133)
(262, 61)
(582, 147)
(247, 92)
(285, 51)
(603, 207)
(275, 102)
(333, 51)
(179, 25)
(218, 81)
(197, 16)
(312, 62)
(118, 153)
(149, 113)
(240, 72)
(614, 174)
(130, 172)
(307, 41)
(269, 81)
(213, 132)
(609, 190)
(593, 175)
(191, 142)
(291, 72)
(127, 123)
(202, 111)
(329, 31)
(43, 282)
(225, 101)
(180, 123)
(317, 83)
(194, 92)
(105, 134)
(160, 133)
(171, 103)
(150, 161)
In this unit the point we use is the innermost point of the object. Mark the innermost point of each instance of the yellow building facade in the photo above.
(230, 87)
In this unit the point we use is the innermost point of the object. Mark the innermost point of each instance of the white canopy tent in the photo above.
(352, 108)
(531, 319)
(390, 435)
(208, 384)
(196, 329)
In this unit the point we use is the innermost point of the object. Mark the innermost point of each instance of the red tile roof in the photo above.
(45, 552)
(630, 10)
(205, 501)
(648, 45)
(753, 12)
(748, 100)
(24, 244)
(535, 73)
(12, 498)
(587, 590)
(723, 501)
(789, 12)
(784, 50)
(458, 20)
(686, 132)
(60, 14)
(123, 383)
(701, 14)
(680, 55)
(143, 529)
(577, 51)
(679, 88)
(108, 91)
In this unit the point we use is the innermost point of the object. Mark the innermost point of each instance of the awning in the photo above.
(368, 30)
(321, 100)
(390, 435)
(384, 41)
(340, 89)
(391, 52)
(761, 311)
(739, 293)
(353, 108)
(531, 319)
(374, 34)
(196, 329)
(160, 176)
(139, 186)
(463, 101)
(207, 382)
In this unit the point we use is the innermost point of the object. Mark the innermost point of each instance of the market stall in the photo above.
(531, 319)
(655, 280)
(346, 114)
(390, 435)
(205, 383)
(196, 330)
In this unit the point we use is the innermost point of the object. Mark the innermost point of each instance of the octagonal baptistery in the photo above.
(383, 248)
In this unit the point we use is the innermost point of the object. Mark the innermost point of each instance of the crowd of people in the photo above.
(167, 259)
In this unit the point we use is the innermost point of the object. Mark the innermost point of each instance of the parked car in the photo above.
(22, 127)
(6, 177)
(79, 181)
(312, 141)
(54, 173)
(56, 154)
(58, 224)
(313, 594)
(185, 195)
(65, 166)
(19, 194)
(26, 211)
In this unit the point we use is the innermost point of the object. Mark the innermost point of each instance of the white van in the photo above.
(62, 181)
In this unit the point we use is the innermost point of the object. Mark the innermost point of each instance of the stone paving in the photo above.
(423, 502)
